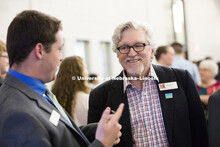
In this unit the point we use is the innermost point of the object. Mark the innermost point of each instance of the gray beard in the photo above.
(137, 73)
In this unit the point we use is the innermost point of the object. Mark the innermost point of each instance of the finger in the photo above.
(117, 141)
(105, 116)
(119, 126)
(119, 134)
(110, 117)
(118, 113)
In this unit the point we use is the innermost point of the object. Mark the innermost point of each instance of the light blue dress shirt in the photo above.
(182, 63)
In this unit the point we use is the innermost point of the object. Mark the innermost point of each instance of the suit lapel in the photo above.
(167, 105)
(77, 129)
(115, 97)
(43, 104)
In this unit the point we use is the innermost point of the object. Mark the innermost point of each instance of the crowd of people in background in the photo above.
(85, 100)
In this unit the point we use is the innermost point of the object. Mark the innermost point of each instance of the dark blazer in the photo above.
(183, 114)
(214, 119)
(24, 120)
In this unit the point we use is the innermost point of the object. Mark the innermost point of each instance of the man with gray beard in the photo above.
(162, 105)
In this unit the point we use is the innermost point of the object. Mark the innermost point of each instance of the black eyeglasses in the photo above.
(138, 47)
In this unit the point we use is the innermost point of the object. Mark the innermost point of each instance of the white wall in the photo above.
(89, 20)
(203, 25)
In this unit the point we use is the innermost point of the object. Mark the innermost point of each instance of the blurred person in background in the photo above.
(71, 90)
(208, 69)
(4, 63)
(165, 55)
(180, 62)
(93, 81)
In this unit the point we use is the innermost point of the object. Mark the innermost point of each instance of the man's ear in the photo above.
(152, 53)
(39, 50)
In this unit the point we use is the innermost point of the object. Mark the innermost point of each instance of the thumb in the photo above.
(105, 116)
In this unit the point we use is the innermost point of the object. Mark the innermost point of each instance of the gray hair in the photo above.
(116, 38)
(211, 65)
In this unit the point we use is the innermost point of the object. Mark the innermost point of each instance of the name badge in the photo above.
(168, 95)
(168, 86)
(54, 118)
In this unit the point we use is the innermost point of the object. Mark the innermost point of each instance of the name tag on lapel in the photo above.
(54, 118)
(168, 86)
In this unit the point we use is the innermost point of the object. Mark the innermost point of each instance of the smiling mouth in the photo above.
(133, 60)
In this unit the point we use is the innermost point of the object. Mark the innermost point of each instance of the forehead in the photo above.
(59, 38)
(132, 35)
(204, 67)
(170, 49)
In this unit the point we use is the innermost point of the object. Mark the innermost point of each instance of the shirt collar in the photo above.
(34, 83)
(152, 75)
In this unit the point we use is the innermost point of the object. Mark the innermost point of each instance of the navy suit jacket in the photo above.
(24, 120)
(183, 115)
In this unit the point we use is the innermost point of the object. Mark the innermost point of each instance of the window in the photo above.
(105, 62)
(179, 22)
(82, 50)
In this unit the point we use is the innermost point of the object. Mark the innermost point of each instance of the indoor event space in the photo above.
(103, 73)
(88, 26)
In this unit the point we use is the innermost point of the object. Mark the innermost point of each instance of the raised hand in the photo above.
(108, 131)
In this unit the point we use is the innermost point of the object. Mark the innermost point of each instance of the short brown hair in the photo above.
(160, 50)
(2, 47)
(26, 30)
(178, 48)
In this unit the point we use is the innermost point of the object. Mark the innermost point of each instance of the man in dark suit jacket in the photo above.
(155, 97)
(214, 119)
(30, 115)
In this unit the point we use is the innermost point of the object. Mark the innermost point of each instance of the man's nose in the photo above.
(132, 52)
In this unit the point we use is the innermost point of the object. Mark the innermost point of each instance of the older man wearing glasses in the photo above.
(162, 105)
(4, 65)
